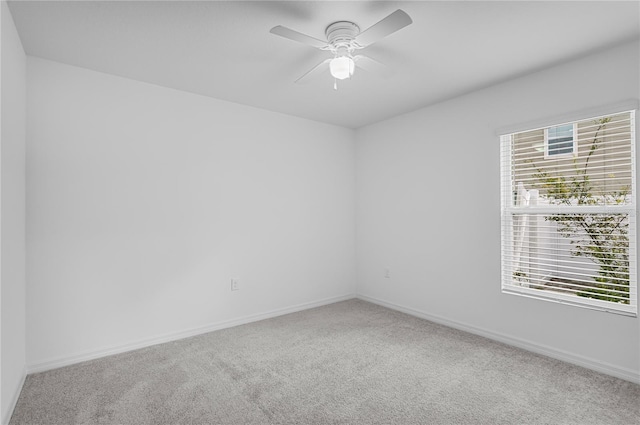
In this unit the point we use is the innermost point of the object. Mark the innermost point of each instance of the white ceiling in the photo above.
(223, 49)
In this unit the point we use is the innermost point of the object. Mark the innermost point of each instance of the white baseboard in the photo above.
(609, 369)
(618, 372)
(14, 399)
(107, 351)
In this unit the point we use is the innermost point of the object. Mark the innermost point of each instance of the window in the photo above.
(560, 140)
(568, 213)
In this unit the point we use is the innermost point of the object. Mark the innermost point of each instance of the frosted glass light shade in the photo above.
(341, 67)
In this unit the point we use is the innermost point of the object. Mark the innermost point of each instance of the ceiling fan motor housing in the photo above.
(341, 36)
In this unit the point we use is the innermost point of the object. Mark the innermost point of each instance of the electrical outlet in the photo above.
(235, 285)
(387, 274)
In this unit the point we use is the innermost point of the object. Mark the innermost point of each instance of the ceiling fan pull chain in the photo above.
(335, 84)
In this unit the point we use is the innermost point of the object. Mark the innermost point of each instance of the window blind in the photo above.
(568, 221)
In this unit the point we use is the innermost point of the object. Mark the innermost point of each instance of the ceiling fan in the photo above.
(343, 39)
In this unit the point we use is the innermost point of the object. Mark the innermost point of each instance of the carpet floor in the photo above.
(346, 363)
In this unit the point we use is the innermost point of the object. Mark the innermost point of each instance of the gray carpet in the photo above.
(347, 363)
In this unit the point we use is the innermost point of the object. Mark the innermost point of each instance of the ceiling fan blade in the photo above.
(298, 36)
(318, 69)
(392, 23)
(372, 66)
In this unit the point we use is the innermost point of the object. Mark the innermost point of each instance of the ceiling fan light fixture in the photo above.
(342, 67)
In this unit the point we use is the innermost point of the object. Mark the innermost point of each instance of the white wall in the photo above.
(143, 202)
(12, 214)
(428, 208)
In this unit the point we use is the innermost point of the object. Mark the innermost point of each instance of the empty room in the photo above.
(298, 212)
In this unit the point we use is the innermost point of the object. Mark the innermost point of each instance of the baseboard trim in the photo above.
(14, 398)
(608, 369)
(107, 351)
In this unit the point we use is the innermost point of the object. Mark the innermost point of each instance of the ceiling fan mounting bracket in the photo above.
(342, 34)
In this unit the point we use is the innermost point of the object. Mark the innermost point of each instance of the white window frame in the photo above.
(508, 211)
(574, 150)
